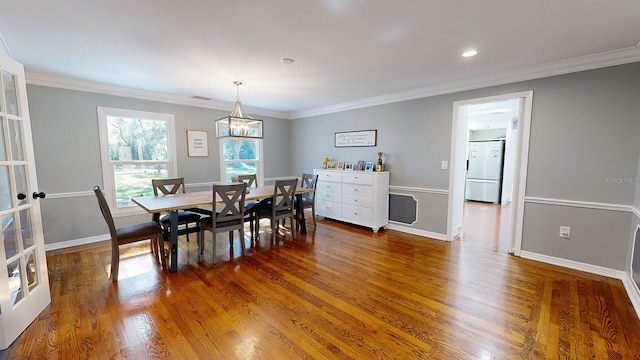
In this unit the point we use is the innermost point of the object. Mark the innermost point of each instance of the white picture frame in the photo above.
(197, 143)
(368, 166)
(348, 166)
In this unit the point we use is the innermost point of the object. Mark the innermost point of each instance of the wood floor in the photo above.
(340, 292)
(486, 225)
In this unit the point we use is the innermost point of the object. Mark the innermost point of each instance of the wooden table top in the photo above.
(164, 203)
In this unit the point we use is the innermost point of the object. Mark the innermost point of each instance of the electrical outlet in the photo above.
(565, 232)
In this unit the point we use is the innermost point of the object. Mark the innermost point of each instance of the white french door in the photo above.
(24, 283)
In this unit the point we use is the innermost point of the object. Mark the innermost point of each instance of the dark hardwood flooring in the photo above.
(340, 292)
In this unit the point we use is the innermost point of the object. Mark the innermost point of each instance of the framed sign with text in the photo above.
(197, 143)
(356, 138)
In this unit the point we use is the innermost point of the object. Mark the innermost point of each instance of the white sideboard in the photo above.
(357, 197)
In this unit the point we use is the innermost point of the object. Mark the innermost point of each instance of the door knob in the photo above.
(37, 195)
(22, 196)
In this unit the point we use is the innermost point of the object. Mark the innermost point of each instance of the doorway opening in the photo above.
(489, 151)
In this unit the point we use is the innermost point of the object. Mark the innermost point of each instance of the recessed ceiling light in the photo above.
(287, 61)
(469, 53)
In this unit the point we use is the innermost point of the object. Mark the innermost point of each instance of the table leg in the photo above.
(300, 217)
(173, 254)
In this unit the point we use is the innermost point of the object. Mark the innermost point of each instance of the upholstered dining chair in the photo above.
(185, 217)
(230, 218)
(128, 234)
(280, 207)
(309, 181)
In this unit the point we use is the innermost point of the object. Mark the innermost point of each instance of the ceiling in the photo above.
(348, 53)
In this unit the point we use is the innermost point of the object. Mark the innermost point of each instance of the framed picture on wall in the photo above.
(197, 143)
(348, 166)
(368, 166)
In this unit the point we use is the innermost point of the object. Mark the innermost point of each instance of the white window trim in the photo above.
(223, 168)
(107, 169)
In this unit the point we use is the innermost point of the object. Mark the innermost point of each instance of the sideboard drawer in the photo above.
(328, 209)
(357, 215)
(357, 200)
(359, 190)
(328, 175)
(357, 177)
(328, 196)
(328, 187)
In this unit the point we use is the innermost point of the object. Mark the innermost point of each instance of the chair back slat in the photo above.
(232, 197)
(167, 186)
(309, 181)
(251, 180)
(106, 212)
(284, 195)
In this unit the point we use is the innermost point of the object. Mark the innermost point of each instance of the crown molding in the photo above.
(69, 83)
(590, 62)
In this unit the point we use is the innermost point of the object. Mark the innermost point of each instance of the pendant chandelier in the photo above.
(238, 124)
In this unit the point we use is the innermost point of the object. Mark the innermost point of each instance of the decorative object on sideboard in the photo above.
(380, 164)
(340, 165)
(324, 162)
(359, 166)
(332, 164)
(368, 166)
(348, 166)
(238, 124)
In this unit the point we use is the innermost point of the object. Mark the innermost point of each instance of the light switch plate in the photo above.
(445, 165)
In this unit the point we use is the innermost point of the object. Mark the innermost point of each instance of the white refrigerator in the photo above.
(484, 171)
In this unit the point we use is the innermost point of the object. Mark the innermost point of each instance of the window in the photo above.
(240, 157)
(136, 147)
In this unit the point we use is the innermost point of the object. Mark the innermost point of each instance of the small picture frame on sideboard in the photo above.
(331, 165)
(368, 166)
(340, 165)
(348, 166)
(359, 166)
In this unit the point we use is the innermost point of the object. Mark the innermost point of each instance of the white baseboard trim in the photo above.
(410, 230)
(593, 269)
(76, 242)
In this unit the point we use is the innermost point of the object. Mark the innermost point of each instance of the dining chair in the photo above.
(185, 217)
(280, 207)
(150, 230)
(309, 181)
(230, 218)
(249, 216)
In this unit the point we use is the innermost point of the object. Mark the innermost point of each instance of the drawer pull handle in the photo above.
(355, 200)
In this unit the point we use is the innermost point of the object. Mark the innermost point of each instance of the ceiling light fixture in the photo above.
(238, 124)
(469, 53)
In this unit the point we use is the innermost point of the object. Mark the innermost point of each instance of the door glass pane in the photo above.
(32, 274)
(3, 150)
(21, 183)
(10, 95)
(5, 189)
(9, 235)
(135, 180)
(27, 231)
(15, 284)
(16, 140)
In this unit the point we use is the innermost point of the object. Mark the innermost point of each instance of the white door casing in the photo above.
(24, 283)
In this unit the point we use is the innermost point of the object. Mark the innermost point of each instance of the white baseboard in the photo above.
(76, 242)
(410, 230)
(628, 283)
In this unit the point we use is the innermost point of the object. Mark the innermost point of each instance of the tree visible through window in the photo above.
(139, 149)
(241, 157)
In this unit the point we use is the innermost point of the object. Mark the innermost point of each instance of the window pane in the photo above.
(27, 231)
(9, 235)
(135, 180)
(15, 138)
(15, 282)
(21, 182)
(137, 139)
(5, 190)
(10, 95)
(240, 149)
(3, 150)
(32, 273)
(240, 168)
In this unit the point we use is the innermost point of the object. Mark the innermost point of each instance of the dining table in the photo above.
(172, 203)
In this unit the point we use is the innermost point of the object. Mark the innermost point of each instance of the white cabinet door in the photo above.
(24, 283)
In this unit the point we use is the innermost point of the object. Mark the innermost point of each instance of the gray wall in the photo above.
(584, 129)
(67, 151)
